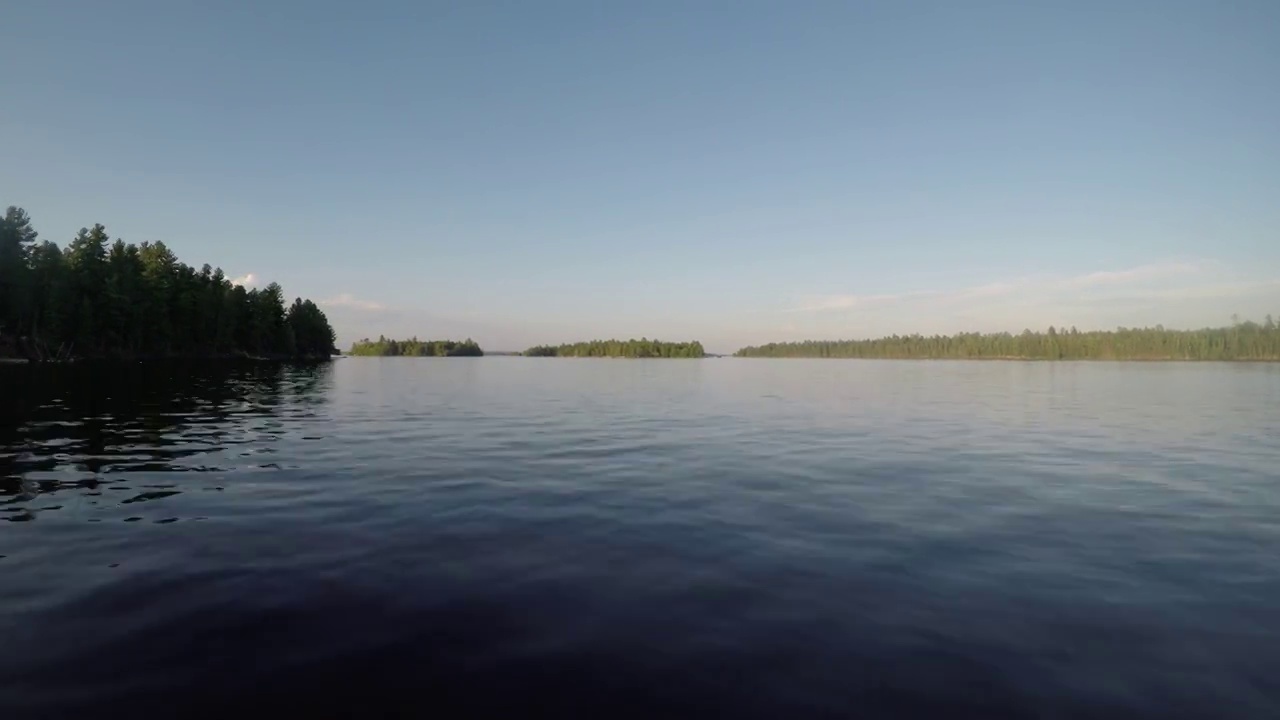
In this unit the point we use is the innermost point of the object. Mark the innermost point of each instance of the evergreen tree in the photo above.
(1240, 341)
(99, 298)
(642, 348)
(413, 347)
(17, 238)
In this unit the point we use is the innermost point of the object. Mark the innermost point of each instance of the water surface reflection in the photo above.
(75, 434)
(495, 537)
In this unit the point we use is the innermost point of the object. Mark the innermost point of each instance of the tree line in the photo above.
(413, 347)
(1239, 341)
(102, 298)
(642, 348)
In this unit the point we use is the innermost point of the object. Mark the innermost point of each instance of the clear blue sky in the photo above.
(732, 171)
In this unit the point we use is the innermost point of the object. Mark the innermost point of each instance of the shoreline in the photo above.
(225, 357)
(1018, 359)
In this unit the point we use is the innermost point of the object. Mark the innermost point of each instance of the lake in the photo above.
(629, 538)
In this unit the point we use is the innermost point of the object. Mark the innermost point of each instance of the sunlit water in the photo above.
(718, 538)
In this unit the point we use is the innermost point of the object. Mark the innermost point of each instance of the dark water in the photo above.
(720, 538)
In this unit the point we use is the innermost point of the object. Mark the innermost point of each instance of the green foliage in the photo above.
(414, 347)
(309, 328)
(17, 238)
(1241, 341)
(642, 348)
(99, 298)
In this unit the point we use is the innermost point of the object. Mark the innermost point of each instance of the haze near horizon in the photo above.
(731, 172)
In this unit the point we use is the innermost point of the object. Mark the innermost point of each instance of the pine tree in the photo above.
(99, 298)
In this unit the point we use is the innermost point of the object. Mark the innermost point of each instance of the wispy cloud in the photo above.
(1205, 291)
(992, 289)
(1139, 274)
(347, 300)
(247, 280)
(1176, 293)
(848, 302)
(1042, 285)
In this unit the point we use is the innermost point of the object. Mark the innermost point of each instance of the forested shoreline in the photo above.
(642, 348)
(98, 298)
(1241, 341)
(413, 347)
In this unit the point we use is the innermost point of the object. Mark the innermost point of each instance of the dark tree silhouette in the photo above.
(98, 298)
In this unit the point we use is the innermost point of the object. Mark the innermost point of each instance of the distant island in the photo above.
(642, 348)
(1240, 341)
(413, 347)
(102, 299)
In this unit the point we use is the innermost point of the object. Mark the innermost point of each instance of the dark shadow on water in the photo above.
(217, 645)
(74, 427)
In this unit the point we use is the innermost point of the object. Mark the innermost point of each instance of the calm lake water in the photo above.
(717, 538)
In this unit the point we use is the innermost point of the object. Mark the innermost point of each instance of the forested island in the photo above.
(413, 347)
(642, 348)
(1240, 341)
(102, 299)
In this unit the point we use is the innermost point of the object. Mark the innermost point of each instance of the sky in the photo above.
(734, 172)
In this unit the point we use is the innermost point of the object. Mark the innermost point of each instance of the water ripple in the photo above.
(720, 538)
